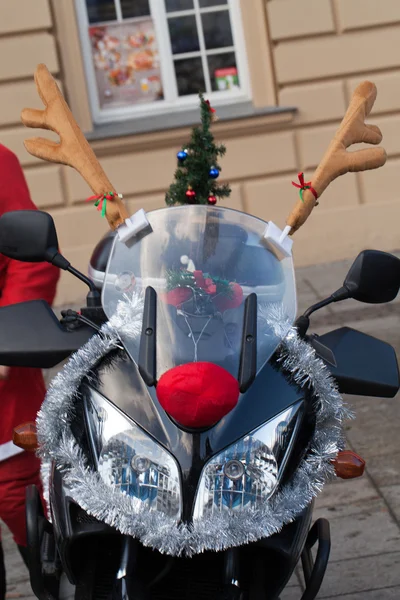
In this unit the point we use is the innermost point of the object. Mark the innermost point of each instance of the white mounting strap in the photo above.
(279, 239)
(132, 226)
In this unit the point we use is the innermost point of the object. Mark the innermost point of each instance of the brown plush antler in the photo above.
(337, 161)
(73, 148)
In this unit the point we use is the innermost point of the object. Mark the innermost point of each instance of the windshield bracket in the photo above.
(147, 351)
(248, 355)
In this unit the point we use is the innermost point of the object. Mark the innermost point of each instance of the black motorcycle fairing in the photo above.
(121, 384)
(286, 548)
(71, 525)
(40, 548)
(365, 366)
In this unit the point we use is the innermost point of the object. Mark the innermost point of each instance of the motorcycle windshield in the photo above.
(203, 262)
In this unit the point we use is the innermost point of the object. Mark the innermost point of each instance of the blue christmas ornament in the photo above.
(213, 173)
(182, 155)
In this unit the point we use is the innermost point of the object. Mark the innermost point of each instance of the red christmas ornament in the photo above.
(197, 394)
(225, 302)
(177, 296)
(212, 200)
(191, 194)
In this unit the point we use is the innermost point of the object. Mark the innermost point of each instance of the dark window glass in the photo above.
(189, 76)
(135, 8)
(173, 5)
(101, 10)
(223, 71)
(206, 3)
(183, 34)
(217, 29)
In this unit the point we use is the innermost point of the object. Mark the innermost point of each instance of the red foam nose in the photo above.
(197, 394)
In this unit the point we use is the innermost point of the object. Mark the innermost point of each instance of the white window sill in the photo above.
(188, 118)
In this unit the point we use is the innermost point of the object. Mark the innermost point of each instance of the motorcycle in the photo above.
(186, 438)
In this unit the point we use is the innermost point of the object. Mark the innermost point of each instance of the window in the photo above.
(145, 57)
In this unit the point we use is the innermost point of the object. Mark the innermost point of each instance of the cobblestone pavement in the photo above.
(364, 513)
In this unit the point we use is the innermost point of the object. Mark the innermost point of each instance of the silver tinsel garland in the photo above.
(218, 531)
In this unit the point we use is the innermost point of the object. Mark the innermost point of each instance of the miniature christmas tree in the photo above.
(198, 168)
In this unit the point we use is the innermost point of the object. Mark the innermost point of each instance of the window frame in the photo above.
(173, 102)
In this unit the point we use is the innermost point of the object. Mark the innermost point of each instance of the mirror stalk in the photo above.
(302, 324)
(53, 256)
(318, 305)
(93, 299)
(342, 293)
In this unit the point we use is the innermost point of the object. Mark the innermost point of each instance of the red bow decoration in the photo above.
(205, 284)
(211, 109)
(213, 112)
(304, 186)
(101, 201)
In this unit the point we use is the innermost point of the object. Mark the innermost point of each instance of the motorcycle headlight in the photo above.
(247, 473)
(127, 458)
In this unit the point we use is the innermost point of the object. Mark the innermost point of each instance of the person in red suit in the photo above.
(22, 390)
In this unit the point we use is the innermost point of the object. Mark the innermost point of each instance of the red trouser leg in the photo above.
(16, 474)
(2, 575)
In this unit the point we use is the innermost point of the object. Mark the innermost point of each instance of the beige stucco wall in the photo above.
(319, 51)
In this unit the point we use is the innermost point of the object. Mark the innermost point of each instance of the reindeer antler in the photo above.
(73, 148)
(337, 161)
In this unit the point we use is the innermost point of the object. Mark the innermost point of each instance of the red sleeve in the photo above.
(22, 281)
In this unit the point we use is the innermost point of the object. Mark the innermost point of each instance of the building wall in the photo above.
(319, 51)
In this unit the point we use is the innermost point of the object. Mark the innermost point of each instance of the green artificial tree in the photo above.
(198, 168)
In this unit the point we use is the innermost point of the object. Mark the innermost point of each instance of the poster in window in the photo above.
(227, 79)
(127, 64)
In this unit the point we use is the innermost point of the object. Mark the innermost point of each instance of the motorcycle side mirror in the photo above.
(374, 278)
(31, 236)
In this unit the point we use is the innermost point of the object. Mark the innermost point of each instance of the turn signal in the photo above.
(348, 465)
(25, 437)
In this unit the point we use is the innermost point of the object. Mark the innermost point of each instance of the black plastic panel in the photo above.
(365, 366)
(31, 336)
